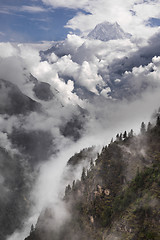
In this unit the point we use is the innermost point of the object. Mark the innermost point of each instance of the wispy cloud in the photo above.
(39, 19)
(25, 8)
(44, 28)
(32, 9)
(2, 34)
(4, 10)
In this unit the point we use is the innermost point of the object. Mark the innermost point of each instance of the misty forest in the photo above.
(80, 132)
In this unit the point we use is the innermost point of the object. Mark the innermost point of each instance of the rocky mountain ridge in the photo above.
(106, 31)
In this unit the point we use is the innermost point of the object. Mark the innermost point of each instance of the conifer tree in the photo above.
(158, 121)
(149, 126)
(83, 174)
(117, 137)
(32, 229)
(120, 137)
(67, 190)
(143, 128)
(73, 185)
(125, 135)
(130, 134)
(91, 164)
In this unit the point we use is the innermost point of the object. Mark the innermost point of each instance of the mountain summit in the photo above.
(108, 31)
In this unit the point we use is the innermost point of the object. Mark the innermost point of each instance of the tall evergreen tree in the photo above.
(130, 134)
(143, 128)
(32, 229)
(158, 121)
(117, 137)
(83, 174)
(120, 137)
(149, 126)
(91, 164)
(125, 135)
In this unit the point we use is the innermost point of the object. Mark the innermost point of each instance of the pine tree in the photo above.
(83, 176)
(130, 134)
(125, 135)
(120, 137)
(149, 126)
(32, 229)
(67, 190)
(91, 164)
(117, 137)
(73, 185)
(158, 121)
(143, 128)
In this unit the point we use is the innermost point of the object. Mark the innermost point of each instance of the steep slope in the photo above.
(13, 101)
(25, 143)
(117, 198)
(107, 31)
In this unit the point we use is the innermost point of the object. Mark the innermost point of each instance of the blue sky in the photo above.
(44, 20)
(20, 23)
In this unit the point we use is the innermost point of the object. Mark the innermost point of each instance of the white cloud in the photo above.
(11, 9)
(117, 80)
(32, 9)
(7, 50)
(150, 8)
(69, 4)
(88, 77)
(156, 60)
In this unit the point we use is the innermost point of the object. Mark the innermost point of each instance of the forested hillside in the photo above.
(118, 197)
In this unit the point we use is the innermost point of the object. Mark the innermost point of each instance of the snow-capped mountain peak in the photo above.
(106, 31)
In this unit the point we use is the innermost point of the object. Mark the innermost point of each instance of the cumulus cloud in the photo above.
(88, 77)
(91, 64)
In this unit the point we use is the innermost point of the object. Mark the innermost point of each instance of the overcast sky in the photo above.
(38, 20)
